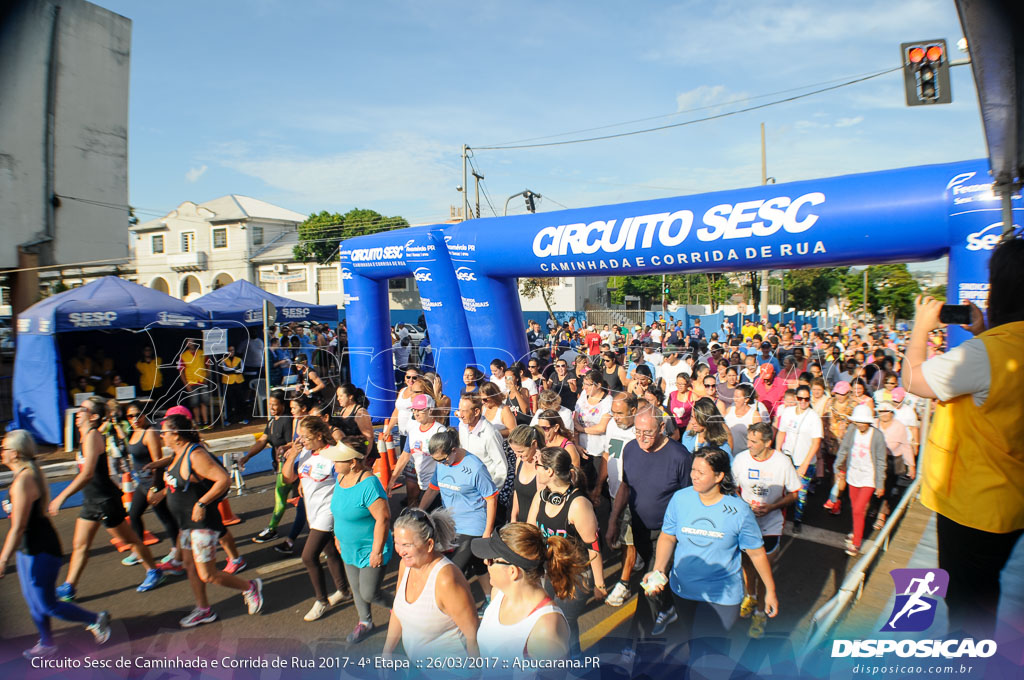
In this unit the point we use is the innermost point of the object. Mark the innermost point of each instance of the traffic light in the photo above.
(530, 205)
(926, 72)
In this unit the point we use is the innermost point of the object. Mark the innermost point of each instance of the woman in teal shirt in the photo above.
(362, 525)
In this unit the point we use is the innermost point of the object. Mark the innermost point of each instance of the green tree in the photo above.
(889, 285)
(320, 234)
(937, 292)
(646, 287)
(543, 288)
(809, 289)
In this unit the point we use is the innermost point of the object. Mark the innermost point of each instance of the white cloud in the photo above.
(419, 174)
(849, 122)
(194, 174)
(707, 97)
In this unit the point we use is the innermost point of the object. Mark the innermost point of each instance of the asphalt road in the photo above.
(145, 625)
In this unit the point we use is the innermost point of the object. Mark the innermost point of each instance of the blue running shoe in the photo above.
(154, 577)
(65, 592)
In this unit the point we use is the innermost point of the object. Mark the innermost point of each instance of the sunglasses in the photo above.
(803, 398)
(489, 561)
(709, 385)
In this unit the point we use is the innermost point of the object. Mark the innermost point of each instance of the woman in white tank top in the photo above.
(522, 620)
(744, 412)
(434, 614)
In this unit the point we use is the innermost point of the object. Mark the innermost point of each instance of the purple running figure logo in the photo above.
(917, 594)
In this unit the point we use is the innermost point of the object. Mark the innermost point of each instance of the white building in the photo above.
(63, 137)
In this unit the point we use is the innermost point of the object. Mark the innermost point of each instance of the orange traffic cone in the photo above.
(147, 538)
(227, 514)
(392, 452)
(127, 489)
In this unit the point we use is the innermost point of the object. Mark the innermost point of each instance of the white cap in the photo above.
(862, 414)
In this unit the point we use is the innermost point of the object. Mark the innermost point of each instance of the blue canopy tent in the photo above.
(110, 303)
(243, 302)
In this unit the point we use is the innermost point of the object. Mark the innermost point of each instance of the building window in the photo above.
(327, 279)
(188, 241)
(298, 286)
(257, 235)
(158, 244)
(220, 237)
(398, 284)
(269, 286)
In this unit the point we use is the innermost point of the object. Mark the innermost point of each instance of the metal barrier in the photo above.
(830, 613)
(621, 317)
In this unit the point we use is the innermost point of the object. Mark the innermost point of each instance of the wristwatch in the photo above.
(201, 505)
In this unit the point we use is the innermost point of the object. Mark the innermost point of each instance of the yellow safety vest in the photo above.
(974, 458)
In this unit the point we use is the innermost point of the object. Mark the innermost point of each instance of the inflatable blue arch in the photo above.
(467, 272)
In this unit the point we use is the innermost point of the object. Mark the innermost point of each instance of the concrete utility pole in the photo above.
(465, 190)
(764, 272)
(864, 313)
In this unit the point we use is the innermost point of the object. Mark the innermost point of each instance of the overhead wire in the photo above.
(717, 116)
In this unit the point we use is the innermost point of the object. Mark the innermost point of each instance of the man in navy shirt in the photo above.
(696, 333)
(654, 467)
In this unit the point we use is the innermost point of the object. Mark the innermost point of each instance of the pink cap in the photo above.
(899, 394)
(841, 387)
(422, 401)
(179, 411)
(767, 370)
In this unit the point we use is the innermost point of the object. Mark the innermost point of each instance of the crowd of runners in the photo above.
(679, 453)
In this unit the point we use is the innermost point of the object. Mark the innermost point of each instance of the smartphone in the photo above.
(957, 314)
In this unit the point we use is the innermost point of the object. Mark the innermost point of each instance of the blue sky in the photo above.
(312, 104)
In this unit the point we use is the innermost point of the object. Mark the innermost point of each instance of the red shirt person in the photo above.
(593, 341)
(770, 391)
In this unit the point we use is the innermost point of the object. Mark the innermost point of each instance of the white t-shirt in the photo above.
(656, 336)
(484, 442)
(860, 468)
(668, 372)
(616, 439)
(654, 358)
(907, 415)
(965, 369)
(764, 482)
(801, 429)
(500, 382)
(591, 414)
(401, 354)
(317, 478)
(418, 442)
(565, 413)
(531, 386)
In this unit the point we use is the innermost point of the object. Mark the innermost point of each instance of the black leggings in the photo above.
(323, 542)
(139, 505)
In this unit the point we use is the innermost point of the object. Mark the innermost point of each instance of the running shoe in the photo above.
(131, 560)
(254, 596)
(757, 625)
(65, 593)
(829, 504)
(40, 651)
(747, 606)
(319, 609)
(198, 616)
(620, 593)
(154, 577)
(837, 506)
(235, 566)
(664, 620)
(101, 629)
(338, 596)
(267, 534)
(174, 568)
(361, 631)
(852, 550)
(798, 526)
(285, 548)
(170, 557)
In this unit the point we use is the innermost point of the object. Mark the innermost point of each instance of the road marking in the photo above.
(268, 569)
(608, 624)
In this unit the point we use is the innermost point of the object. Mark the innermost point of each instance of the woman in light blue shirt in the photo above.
(706, 528)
